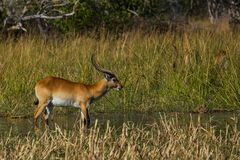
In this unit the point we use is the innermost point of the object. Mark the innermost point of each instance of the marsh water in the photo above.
(25, 125)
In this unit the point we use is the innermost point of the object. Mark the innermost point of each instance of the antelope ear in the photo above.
(108, 77)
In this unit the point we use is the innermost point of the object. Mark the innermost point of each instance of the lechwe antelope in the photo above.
(53, 91)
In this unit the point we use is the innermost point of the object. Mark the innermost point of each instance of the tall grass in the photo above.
(166, 139)
(170, 72)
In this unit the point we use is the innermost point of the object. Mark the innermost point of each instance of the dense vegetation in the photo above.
(190, 71)
(121, 15)
(112, 15)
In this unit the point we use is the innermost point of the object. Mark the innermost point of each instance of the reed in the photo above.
(165, 139)
(190, 71)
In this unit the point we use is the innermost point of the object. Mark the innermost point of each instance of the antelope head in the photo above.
(112, 81)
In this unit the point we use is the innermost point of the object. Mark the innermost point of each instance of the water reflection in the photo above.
(23, 126)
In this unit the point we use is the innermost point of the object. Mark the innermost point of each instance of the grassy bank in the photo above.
(166, 139)
(192, 71)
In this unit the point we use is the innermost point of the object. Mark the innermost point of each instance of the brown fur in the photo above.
(52, 91)
(82, 94)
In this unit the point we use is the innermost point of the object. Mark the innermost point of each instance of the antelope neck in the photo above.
(99, 89)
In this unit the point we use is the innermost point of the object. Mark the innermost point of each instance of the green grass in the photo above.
(143, 63)
(166, 139)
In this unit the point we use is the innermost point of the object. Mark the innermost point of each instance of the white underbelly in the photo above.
(64, 102)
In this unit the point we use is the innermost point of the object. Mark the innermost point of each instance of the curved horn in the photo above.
(93, 59)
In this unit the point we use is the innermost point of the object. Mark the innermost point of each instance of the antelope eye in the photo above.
(114, 80)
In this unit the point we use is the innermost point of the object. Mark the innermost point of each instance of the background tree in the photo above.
(112, 15)
(215, 10)
(17, 13)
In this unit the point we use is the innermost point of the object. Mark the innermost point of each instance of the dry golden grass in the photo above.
(166, 139)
